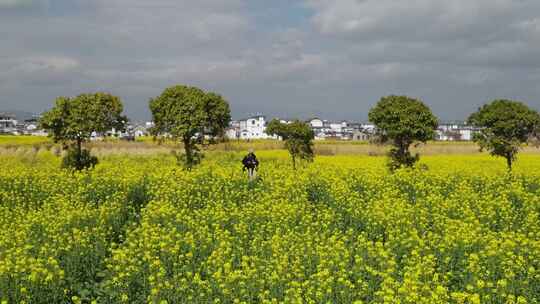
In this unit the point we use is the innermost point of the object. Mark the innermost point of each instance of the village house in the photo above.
(8, 123)
(454, 131)
(253, 127)
(342, 130)
(316, 123)
(233, 131)
(359, 135)
(140, 131)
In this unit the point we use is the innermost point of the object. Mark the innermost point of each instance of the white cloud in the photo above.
(47, 64)
(424, 17)
(336, 57)
(170, 20)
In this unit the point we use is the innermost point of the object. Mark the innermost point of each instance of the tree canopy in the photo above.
(75, 118)
(72, 120)
(190, 115)
(298, 137)
(403, 121)
(503, 127)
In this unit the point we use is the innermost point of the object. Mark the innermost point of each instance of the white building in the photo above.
(31, 127)
(253, 128)
(286, 121)
(370, 128)
(454, 132)
(8, 124)
(140, 131)
(316, 123)
(233, 131)
(250, 128)
(319, 127)
(336, 127)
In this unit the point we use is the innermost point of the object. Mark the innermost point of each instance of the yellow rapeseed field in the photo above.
(138, 229)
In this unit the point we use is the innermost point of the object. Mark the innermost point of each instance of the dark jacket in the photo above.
(250, 161)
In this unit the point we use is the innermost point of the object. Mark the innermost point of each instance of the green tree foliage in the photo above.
(190, 115)
(298, 137)
(403, 121)
(72, 120)
(504, 125)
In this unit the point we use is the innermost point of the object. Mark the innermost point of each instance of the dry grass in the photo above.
(25, 145)
(21, 140)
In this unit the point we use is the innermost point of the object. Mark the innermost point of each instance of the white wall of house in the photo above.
(368, 127)
(316, 123)
(7, 123)
(284, 121)
(139, 133)
(31, 127)
(253, 128)
(232, 133)
(336, 127)
(466, 134)
(444, 133)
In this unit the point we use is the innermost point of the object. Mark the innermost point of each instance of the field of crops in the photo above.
(138, 229)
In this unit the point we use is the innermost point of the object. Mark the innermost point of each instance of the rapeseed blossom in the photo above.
(341, 230)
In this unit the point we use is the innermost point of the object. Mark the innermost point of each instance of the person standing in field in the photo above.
(251, 163)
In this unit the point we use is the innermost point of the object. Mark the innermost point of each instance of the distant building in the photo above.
(454, 131)
(140, 131)
(316, 123)
(233, 131)
(30, 127)
(337, 126)
(370, 128)
(8, 123)
(359, 135)
(253, 127)
(285, 121)
(341, 130)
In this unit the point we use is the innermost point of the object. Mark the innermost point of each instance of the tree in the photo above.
(298, 138)
(190, 115)
(504, 126)
(72, 120)
(403, 121)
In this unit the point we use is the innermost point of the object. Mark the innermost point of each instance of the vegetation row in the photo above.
(193, 117)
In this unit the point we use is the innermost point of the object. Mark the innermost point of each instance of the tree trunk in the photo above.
(79, 153)
(509, 162)
(402, 151)
(293, 161)
(189, 154)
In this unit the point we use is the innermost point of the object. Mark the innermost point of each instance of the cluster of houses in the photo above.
(455, 131)
(10, 125)
(250, 128)
(254, 127)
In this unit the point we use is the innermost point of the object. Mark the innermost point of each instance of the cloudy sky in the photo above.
(284, 58)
